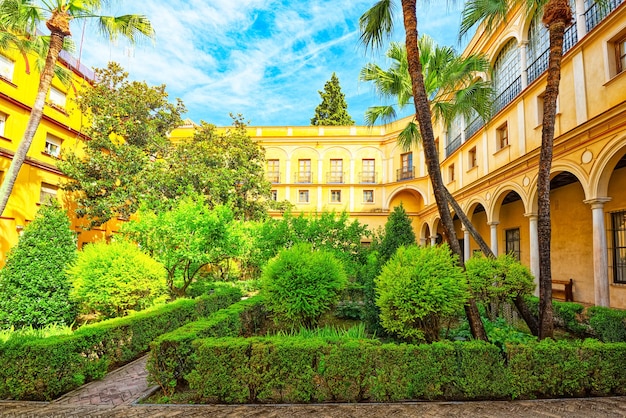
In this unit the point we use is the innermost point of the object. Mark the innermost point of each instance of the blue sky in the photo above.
(265, 59)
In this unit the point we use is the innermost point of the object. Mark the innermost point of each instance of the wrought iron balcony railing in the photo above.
(368, 177)
(405, 173)
(303, 177)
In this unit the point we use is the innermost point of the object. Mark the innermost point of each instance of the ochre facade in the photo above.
(490, 168)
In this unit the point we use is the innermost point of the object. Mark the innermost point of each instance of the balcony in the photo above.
(473, 127)
(453, 145)
(507, 95)
(597, 11)
(405, 173)
(540, 65)
(368, 177)
(303, 177)
(335, 177)
(273, 177)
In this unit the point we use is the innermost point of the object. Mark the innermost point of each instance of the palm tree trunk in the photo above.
(423, 115)
(56, 44)
(557, 16)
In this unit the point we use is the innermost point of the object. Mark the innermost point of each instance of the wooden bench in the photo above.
(565, 290)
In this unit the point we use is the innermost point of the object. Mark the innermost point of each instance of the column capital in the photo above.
(531, 215)
(493, 223)
(598, 202)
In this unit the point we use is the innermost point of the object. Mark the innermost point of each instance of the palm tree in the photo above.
(20, 19)
(376, 24)
(557, 16)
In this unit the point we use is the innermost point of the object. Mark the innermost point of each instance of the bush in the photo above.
(34, 288)
(300, 284)
(418, 288)
(608, 324)
(497, 281)
(115, 279)
(44, 368)
(398, 233)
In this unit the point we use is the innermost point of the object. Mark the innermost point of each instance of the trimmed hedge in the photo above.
(44, 368)
(296, 369)
(171, 355)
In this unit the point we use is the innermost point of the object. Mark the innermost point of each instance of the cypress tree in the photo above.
(333, 111)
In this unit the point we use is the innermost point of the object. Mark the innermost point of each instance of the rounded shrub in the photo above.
(114, 279)
(416, 289)
(300, 284)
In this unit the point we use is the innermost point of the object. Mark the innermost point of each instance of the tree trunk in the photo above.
(557, 16)
(423, 115)
(56, 44)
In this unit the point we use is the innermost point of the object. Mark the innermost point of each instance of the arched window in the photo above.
(539, 43)
(454, 136)
(507, 75)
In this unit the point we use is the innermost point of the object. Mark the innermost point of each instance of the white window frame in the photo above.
(3, 123)
(57, 97)
(335, 196)
(7, 67)
(368, 192)
(53, 146)
(47, 191)
(301, 194)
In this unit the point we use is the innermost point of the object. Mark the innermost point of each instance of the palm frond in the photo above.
(409, 136)
(491, 13)
(376, 24)
(129, 26)
(384, 114)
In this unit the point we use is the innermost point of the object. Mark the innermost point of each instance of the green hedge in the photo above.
(44, 368)
(296, 369)
(608, 324)
(171, 355)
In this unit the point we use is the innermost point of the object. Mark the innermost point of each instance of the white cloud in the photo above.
(264, 59)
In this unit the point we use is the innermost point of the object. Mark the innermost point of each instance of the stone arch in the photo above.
(499, 194)
(559, 168)
(604, 166)
(413, 195)
(334, 148)
(510, 34)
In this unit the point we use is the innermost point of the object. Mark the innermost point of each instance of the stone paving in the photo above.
(115, 396)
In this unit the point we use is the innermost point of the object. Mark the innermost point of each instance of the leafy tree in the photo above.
(112, 280)
(398, 233)
(129, 125)
(498, 281)
(417, 288)
(225, 167)
(187, 238)
(324, 231)
(376, 24)
(34, 287)
(300, 284)
(22, 19)
(333, 111)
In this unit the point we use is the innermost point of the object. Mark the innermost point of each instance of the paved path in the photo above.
(114, 396)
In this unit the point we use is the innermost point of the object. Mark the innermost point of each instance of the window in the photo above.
(335, 196)
(471, 158)
(3, 122)
(303, 196)
(304, 171)
(513, 242)
(6, 68)
(57, 97)
(368, 175)
(47, 192)
(273, 171)
(406, 161)
(53, 146)
(502, 136)
(454, 136)
(451, 173)
(336, 171)
(618, 238)
(620, 54)
(274, 195)
(368, 196)
(507, 75)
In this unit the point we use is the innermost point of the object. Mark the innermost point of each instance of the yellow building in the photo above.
(491, 169)
(59, 130)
